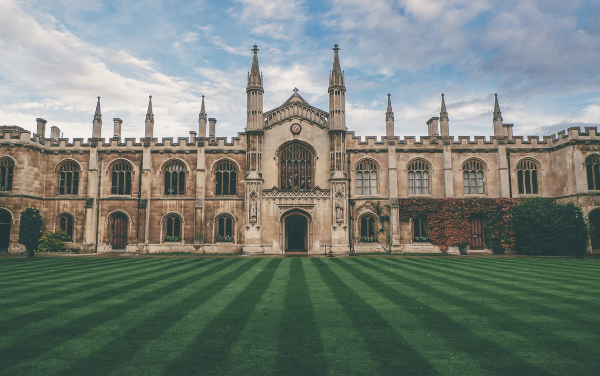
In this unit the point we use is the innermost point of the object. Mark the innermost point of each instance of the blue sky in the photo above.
(541, 57)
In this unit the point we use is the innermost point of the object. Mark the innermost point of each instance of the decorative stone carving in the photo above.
(276, 192)
(199, 203)
(253, 210)
(253, 200)
(339, 210)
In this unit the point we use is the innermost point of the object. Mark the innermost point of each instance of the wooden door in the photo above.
(476, 240)
(595, 226)
(119, 232)
(5, 222)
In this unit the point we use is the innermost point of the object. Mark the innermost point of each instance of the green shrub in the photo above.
(543, 227)
(30, 229)
(171, 239)
(53, 241)
(368, 239)
(225, 239)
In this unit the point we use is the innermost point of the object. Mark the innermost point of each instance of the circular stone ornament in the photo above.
(296, 128)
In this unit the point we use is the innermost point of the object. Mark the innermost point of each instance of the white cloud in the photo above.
(190, 37)
(277, 19)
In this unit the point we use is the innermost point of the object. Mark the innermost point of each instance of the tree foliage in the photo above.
(30, 229)
(543, 227)
(53, 241)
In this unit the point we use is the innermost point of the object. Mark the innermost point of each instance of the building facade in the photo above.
(295, 180)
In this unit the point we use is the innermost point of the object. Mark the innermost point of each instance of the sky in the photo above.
(542, 57)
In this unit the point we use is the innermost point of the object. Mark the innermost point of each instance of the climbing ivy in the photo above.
(448, 220)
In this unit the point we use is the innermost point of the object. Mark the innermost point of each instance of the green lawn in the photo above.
(299, 316)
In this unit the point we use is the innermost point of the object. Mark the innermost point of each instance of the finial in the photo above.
(98, 97)
(335, 48)
(202, 95)
(389, 95)
(296, 90)
(151, 97)
(255, 48)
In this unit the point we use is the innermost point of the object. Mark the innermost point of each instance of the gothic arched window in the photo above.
(65, 223)
(68, 180)
(418, 177)
(473, 177)
(121, 178)
(6, 174)
(225, 177)
(592, 166)
(366, 178)
(295, 167)
(224, 228)
(172, 228)
(175, 179)
(420, 229)
(367, 228)
(527, 177)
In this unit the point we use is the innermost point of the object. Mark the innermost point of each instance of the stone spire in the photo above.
(444, 127)
(254, 92)
(149, 120)
(202, 120)
(497, 120)
(97, 124)
(497, 113)
(254, 76)
(389, 120)
(443, 112)
(337, 76)
(337, 95)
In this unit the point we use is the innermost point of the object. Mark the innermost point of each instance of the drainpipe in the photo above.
(98, 203)
(137, 231)
(350, 208)
(509, 176)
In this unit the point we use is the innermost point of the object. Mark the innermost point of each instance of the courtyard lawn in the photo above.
(299, 316)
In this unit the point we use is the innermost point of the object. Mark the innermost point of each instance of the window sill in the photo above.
(367, 196)
(67, 196)
(173, 196)
(226, 196)
(118, 196)
(419, 195)
(5, 193)
(174, 243)
(525, 195)
(474, 195)
(224, 243)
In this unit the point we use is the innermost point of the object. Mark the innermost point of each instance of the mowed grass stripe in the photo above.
(79, 343)
(255, 351)
(299, 348)
(208, 353)
(343, 346)
(51, 324)
(484, 329)
(92, 288)
(45, 269)
(534, 292)
(89, 277)
(524, 270)
(405, 315)
(115, 343)
(393, 355)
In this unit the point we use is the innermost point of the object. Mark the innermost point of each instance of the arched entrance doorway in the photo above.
(5, 223)
(296, 233)
(118, 233)
(595, 227)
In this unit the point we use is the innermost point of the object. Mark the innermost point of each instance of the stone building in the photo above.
(295, 180)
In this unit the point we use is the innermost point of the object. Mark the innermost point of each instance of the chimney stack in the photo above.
(54, 133)
(432, 126)
(41, 127)
(117, 133)
(212, 122)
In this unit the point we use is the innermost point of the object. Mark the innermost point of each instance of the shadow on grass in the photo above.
(210, 350)
(300, 351)
(393, 355)
(29, 348)
(490, 356)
